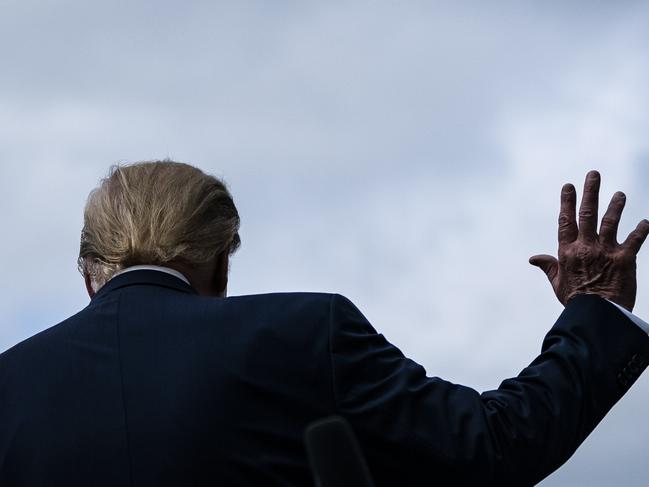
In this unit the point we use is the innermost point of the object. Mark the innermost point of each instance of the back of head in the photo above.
(155, 212)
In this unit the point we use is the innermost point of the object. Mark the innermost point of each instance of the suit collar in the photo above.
(144, 276)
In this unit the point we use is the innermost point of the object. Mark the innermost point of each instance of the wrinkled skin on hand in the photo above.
(588, 262)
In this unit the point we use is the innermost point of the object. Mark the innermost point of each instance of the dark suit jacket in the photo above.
(154, 385)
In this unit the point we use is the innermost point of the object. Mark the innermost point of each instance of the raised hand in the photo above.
(589, 263)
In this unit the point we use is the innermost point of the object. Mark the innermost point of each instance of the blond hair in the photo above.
(155, 212)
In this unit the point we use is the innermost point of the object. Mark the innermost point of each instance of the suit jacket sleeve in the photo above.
(413, 427)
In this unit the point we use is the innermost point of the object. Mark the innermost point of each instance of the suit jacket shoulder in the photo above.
(152, 384)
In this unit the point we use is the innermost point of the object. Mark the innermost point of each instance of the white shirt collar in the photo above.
(168, 270)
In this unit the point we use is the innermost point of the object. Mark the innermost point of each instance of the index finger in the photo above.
(588, 208)
(567, 223)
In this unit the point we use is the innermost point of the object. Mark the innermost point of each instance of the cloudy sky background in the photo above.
(408, 155)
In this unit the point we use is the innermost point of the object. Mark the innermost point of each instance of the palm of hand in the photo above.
(595, 269)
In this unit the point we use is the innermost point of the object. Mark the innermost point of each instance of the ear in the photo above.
(91, 292)
(221, 273)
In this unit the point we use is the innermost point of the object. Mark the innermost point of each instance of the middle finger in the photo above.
(588, 207)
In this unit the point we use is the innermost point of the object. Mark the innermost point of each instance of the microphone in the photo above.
(334, 454)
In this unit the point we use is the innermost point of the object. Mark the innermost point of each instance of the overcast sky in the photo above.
(408, 155)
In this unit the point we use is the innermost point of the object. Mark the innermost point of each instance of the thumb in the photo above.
(547, 263)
